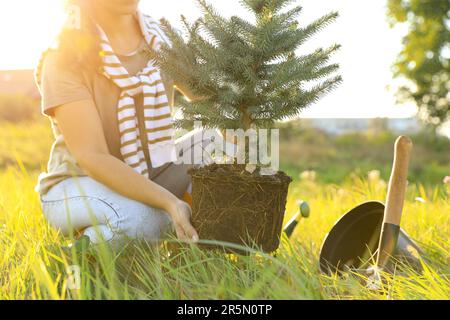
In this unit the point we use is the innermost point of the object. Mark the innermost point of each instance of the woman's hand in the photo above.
(181, 213)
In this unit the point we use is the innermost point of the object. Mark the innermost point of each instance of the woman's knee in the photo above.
(197, 147)
(146, 223)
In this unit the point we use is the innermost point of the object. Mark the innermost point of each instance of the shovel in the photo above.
(371, 231)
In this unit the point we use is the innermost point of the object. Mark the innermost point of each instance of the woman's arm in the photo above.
(82, 129)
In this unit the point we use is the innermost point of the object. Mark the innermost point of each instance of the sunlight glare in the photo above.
(27, 27)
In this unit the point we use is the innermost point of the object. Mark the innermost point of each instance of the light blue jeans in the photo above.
(81, 203)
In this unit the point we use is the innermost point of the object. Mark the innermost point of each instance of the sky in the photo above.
(369, 46)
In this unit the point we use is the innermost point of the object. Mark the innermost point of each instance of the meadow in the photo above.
(33, 267)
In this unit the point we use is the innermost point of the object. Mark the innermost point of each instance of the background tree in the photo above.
(424, 59)
(247, 73)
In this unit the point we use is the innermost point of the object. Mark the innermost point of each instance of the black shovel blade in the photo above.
(353, 239)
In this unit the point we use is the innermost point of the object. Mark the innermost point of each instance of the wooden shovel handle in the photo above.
(397, 183)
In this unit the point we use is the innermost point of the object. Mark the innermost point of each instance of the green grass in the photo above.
(32, 266)
(334, 158)
(30, 142)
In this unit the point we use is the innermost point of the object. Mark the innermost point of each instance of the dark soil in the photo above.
(233, 205)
